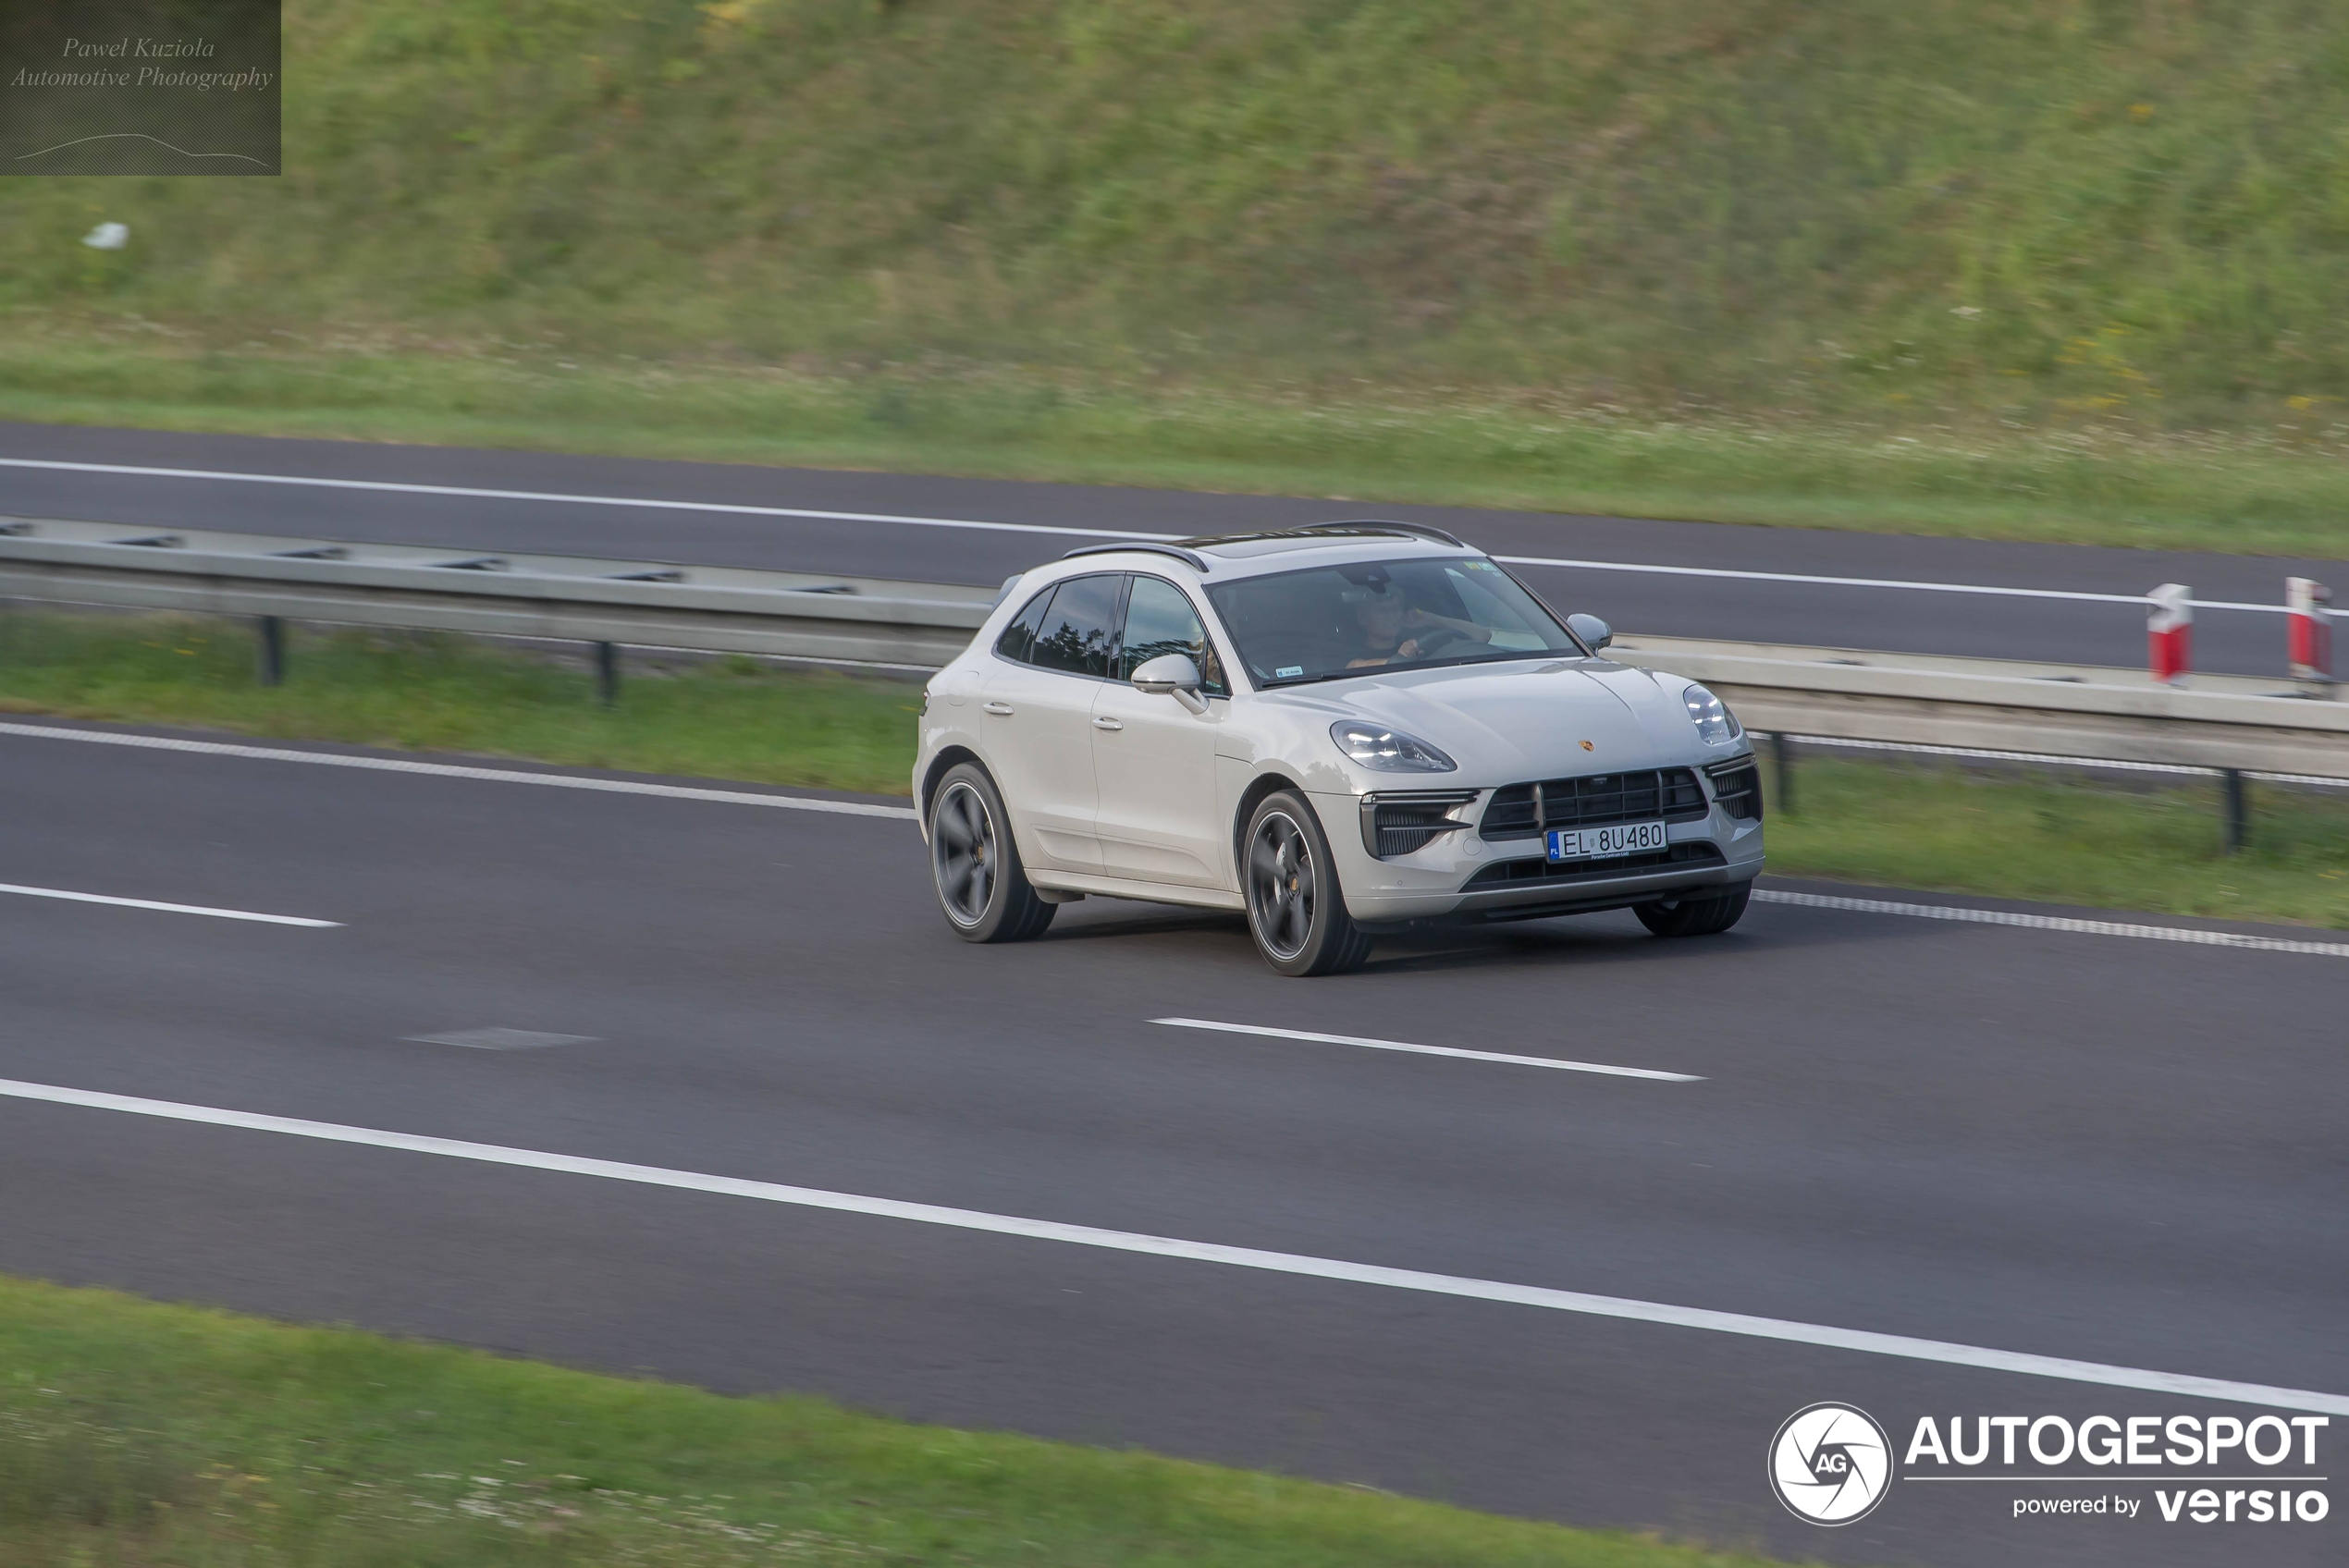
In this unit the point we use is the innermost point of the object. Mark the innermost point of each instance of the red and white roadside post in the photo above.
(2309, 629)
(2170, 633)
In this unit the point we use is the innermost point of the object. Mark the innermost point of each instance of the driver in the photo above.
(1383, 618)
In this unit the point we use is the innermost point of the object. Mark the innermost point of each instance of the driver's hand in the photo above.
(1407, 649)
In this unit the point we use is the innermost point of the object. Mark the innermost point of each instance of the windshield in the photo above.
(1339, 620)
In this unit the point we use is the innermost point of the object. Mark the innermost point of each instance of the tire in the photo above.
(1705, 915)
(1296, 908)
(982, 888)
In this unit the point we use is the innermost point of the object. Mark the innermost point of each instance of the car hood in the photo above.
(1531, 718)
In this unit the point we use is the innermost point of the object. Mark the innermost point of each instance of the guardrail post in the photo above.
(608, 672)
(2308, 628)
(2170, 633)
(2238, 812)
(271, 650)
(1782, 767)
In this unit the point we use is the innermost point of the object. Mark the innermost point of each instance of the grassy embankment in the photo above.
(2033, 268)
(134, 1435)
(2083, 841)
(731, 718)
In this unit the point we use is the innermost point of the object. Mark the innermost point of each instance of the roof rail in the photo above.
(1420, 529)
(1191, 558)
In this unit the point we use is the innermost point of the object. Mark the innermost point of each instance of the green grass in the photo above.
(137, 1435)
(2080, 840)
(1701, 257)
(2067, 838)
(729, 718)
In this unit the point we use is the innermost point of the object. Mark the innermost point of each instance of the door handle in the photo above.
(1000, 710)
(1103, 723)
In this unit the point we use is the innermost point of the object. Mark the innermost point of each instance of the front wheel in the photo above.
(1296, 910)
(1699, 915)
(981, 885)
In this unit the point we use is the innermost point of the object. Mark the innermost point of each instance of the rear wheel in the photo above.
(981, 885)
(1296, 910)
(1697, 915)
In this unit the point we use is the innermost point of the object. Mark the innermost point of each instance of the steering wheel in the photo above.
(1436, 637)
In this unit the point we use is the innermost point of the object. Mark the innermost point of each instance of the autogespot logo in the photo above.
(1830, 1464)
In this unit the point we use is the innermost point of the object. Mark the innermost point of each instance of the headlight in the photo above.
(1716, 725)
(1388, 750)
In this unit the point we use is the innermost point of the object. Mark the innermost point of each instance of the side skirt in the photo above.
(1146, 892)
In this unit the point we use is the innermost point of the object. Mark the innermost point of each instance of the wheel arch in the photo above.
(1268, 782)
(946, 758)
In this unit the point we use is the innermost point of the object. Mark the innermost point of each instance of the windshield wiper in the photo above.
(1502, 657)
(1505, 655)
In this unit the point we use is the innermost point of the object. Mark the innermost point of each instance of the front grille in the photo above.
(1397, 823)
(1737, 784)
(1522, 810)
(1541, 873)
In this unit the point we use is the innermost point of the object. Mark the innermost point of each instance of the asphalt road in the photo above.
(1835, 614)
(2120, 1151)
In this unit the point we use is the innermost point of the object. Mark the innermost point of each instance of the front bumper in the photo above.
(1460, 876)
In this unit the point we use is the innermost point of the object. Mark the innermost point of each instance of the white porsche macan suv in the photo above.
(1340, 730)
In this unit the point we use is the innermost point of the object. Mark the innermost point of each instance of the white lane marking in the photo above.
(1433, 1050)
(1869, 582)
(2056, 923)
(1623, 1308)
(476, 493)
(164, 908)
(452, 771)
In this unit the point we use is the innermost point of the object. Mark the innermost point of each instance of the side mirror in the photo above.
(1592, 629)
(1171, 674)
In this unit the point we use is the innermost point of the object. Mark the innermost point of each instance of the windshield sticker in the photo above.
(1286, 670)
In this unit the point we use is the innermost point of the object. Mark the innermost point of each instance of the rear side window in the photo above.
(1019, 641)
(1079, 626)
(1160, 619)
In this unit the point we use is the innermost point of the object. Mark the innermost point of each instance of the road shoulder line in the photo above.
(457, 770)
(1503, 1057)
(163, 908)
(1622, 1307)
(648, 503)
(1976, 915)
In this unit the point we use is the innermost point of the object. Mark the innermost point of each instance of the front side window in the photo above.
(1079, 626)
(1329, 622)
(1160, 619)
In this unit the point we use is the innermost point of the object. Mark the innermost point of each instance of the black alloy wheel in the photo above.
(981, 886)
(1296, 908)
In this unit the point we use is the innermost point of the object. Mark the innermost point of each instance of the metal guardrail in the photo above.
(2217, 722)
(2242, 723)
(646, 604)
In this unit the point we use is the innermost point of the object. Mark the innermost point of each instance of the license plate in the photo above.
(1594, 843)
